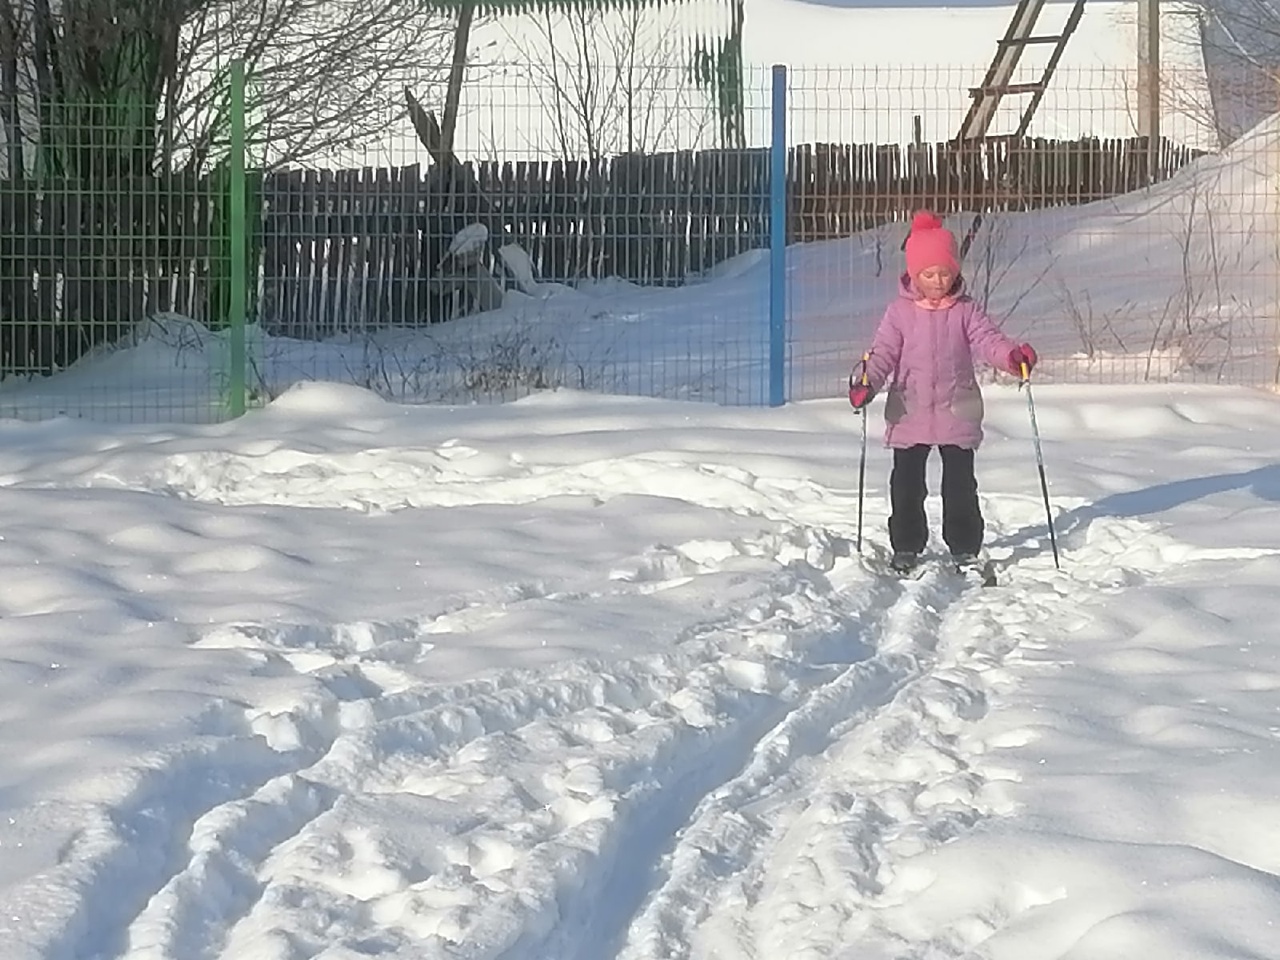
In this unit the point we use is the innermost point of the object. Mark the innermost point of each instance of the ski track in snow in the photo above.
(788, 762)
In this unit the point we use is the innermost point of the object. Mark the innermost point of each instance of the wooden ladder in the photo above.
(997, 83)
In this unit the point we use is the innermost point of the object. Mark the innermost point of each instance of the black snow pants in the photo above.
(962, 524)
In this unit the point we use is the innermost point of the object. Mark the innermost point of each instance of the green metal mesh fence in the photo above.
(117, 276)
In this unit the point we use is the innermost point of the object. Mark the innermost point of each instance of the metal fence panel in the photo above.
(624, 248)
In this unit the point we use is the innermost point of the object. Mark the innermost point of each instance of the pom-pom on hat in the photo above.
(930, 244)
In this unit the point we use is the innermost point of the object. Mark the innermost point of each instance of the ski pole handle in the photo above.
(1026, 374)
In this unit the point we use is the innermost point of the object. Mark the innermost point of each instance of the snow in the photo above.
(605, 677)
(595, 677)
(469, 241)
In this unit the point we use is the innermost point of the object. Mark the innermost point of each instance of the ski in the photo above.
(881, 567)
(983, 573)
(915, 573)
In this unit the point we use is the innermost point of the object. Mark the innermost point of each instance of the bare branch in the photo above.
(613, 81)
(325, 75)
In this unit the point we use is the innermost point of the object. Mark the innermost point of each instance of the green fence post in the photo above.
(238, 245)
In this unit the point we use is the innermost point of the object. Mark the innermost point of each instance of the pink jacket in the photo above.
(926, 354)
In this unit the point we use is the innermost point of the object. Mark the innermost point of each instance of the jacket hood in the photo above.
(907, 288)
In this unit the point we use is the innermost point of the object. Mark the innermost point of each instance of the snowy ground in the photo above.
(591, 678)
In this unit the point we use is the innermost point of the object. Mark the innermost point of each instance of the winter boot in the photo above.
(975, 565)
(904, 561)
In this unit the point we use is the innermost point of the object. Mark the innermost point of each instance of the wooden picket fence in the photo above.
(337, 251)
(370, 244)
(836, 190)
(80, 265)
(356, 247)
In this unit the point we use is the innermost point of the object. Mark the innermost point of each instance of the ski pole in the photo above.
(1044, 483)
(862, 457)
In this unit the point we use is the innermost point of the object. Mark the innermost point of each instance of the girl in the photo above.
(925, 345)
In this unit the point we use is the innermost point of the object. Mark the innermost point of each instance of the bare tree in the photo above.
(716, 65)
(11, 28)
(1224, 74)
(1241, 49)
(327, 75)
(141, 85)
(611, 82)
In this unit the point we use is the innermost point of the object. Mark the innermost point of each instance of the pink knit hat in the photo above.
(930, 244)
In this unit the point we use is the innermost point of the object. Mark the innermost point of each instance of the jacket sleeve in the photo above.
(987, 341)
(886, 350)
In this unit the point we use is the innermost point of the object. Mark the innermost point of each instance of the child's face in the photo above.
(935, 282)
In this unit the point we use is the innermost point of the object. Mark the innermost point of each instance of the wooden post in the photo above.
(1149, 81)
(915, 161)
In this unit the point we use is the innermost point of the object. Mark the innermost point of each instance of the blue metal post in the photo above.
(778, 241)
